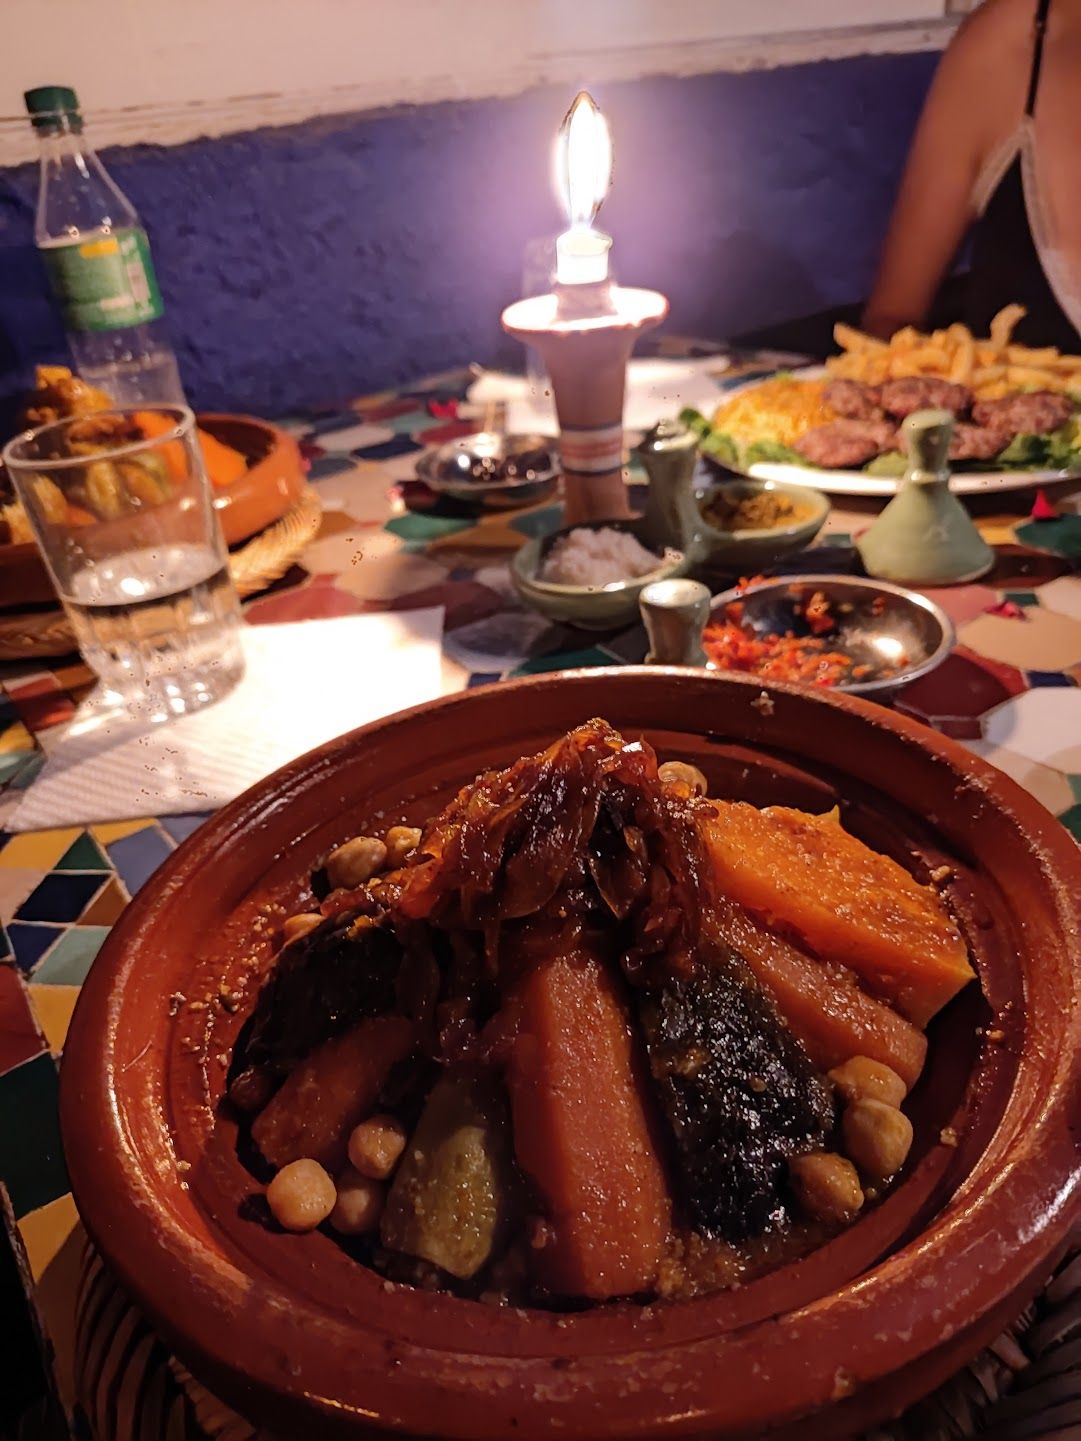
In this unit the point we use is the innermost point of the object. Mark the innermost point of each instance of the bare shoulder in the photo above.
(983, 76)
(995, 34)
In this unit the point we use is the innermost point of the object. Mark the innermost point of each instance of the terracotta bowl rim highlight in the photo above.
(194, 1286)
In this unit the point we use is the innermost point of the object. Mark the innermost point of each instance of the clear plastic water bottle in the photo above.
(98, 258)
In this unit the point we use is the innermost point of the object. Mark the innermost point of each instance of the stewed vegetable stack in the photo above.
(592, 1034)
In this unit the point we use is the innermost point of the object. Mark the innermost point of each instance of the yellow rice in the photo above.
(781, 409)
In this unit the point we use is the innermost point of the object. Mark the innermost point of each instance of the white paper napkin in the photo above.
(657, 389)
(304, 684)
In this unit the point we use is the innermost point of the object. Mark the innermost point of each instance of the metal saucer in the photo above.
(900, 634)
(472, 469)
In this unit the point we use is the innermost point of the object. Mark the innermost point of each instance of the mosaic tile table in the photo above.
(1011, 692)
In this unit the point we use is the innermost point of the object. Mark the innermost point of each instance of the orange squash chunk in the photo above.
(224, 465)
(582, 1135)
(823, 1004)
(847, 903)
(331, 1091)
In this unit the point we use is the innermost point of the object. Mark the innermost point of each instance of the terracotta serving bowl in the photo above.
(271, 485)
(306, 1341)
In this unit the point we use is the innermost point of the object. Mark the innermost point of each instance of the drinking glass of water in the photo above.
(121, 507)
(538, 276)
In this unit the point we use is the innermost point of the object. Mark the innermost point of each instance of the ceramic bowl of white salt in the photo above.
(591, 575)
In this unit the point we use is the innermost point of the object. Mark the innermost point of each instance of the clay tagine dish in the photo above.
(498, 1070)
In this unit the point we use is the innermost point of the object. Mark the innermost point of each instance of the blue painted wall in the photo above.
(323, 259)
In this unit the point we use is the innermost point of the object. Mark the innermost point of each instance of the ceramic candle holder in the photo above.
(925, 536)
(585, 335)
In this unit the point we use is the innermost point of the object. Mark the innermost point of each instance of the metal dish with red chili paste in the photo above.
(805, 658)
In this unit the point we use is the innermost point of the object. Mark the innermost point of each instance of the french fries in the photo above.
(1005, 323)
(990, 366)
(849, 338)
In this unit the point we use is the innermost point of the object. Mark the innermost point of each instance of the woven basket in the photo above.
(1026, 1386)
(253, 566)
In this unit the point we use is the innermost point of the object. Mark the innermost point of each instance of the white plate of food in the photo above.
(1017, 409)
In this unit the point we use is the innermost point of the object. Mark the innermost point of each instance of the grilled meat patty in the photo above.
(978, 442)
(923, 392)
(1033, 412)
(845, 443)
(853, 400)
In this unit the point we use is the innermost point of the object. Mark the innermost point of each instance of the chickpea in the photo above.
(296, 926)
(355, 862)
(359, 1204)
(679, 773)
(862, 1079)
(877, 1137)
(376, 1146)
(826, 1186)
(301, 1196)
(250, 1091)
(400, 841)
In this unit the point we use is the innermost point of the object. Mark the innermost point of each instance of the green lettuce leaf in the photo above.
(775, 453)
(1024, 452)
(720, 446)
(890, 465)
(695, 420)
(1064, 446)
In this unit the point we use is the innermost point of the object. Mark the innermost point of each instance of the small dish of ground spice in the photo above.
(759, 510)
(747, 524)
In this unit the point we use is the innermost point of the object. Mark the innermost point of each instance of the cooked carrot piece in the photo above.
(332, 1089)
(848, 903)
(582, 1135)
(823, 1004)
(154, 423)
(223, 464)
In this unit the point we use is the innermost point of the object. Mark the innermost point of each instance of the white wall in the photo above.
(168, 70)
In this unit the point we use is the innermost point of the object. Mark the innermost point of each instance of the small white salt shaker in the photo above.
(675, 613)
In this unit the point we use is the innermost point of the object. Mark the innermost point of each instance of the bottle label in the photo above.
(106, 282)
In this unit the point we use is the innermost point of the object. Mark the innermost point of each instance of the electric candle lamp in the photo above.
(583, 173)
(587, 327)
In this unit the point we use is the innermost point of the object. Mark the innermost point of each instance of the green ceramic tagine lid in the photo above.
(925, 536)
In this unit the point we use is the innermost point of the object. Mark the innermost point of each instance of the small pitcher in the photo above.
(672, 518)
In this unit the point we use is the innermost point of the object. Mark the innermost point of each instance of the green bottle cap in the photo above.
(50, 105)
